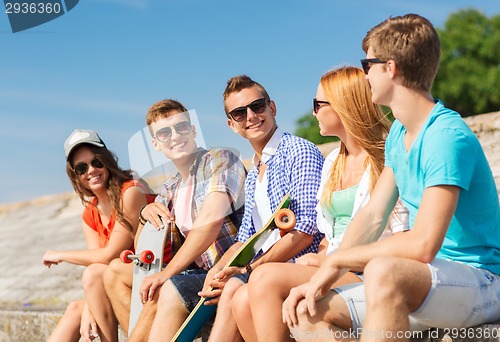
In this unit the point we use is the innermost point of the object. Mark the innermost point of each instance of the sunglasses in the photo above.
(82, 168)
(368, 63)
(317, 105)
(164, 134)
(258, 107)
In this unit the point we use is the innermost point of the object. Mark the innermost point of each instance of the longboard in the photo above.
(283, 219)
(147, 261)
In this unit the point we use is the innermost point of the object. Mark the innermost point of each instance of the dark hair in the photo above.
(117, 177)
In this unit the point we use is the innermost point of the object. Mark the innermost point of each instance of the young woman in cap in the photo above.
(112, 200)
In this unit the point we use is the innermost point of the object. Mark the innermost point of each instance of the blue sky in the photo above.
(101, 65)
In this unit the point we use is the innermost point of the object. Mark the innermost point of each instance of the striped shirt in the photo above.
(294, 168)
(217, 170)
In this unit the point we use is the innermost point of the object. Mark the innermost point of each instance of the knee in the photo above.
(92, 276)
(74, 309)
(240, 305)
(111, 274)
(304, 322)
(381, 278)
(228, 293)
(262, 280)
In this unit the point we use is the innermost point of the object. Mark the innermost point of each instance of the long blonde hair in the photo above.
(349, 95)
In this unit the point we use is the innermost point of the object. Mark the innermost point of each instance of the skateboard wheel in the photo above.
(147, 257)
(124, 256)
(285, 221)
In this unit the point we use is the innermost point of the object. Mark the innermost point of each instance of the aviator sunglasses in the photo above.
(368, 63)
(82, 168)
(258, 107)
(317, 105)
(164, 134)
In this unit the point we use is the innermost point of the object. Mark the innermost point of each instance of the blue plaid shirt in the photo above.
(295, 168)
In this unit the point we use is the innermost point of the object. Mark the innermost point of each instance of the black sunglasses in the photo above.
(164, 134)
(82, 168)
(317, 105)
(368, 63)
(258, 107)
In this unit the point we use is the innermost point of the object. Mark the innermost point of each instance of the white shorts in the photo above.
(461, 296)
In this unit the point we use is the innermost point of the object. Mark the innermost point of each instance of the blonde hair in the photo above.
(349, 95)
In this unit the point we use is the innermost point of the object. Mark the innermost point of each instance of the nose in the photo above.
(250, 114)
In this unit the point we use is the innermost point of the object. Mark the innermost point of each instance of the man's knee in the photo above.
(230, 288)
(382, 279)
(117, 273)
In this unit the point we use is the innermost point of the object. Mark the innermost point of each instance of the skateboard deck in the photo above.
(282, 219)
(147, 260)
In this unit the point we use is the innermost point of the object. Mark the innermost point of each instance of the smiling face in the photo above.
(329, 121)
(179, 145)
(257, 128)
(94, 179)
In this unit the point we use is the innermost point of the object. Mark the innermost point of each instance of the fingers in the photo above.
(289, 314)
(148, 288)
(154, 212)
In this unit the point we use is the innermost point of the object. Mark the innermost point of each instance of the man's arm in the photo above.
(421, 243)
(205, 230)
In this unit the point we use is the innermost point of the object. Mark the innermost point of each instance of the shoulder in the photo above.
(222, 156)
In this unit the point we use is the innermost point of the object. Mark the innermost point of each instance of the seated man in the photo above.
(205, 195)
(283, 164)
(445, 271)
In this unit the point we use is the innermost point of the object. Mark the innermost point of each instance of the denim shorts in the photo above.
(460, 296)
(188, 283)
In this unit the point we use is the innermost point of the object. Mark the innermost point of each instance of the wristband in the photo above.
(249, 269)
(142, 220)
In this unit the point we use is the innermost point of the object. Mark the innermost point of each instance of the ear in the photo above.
(392, 69)
(231, 125)
(193, 129)
(272, 105)
(155, 144)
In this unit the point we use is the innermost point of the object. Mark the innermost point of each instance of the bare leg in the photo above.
(394, 288)
(225, 328)
(98, 302)
(118, 284)
(145, 321)
(68, 328)
(170, 315)
(331, 322)
(243, 315)
(269, 286)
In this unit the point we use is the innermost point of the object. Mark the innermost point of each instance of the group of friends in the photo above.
(397, 229)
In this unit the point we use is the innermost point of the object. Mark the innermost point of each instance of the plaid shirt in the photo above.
(215, 170)
(295, 168)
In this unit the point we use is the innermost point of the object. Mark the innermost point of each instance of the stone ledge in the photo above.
(36, 326)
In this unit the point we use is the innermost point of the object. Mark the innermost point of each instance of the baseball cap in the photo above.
(81, 136)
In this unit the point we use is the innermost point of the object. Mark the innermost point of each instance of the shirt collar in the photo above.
(270, 148)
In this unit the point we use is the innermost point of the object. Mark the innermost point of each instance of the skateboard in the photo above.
(147, 260)
(282, 219)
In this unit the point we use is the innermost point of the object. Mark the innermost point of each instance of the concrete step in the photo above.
(36, 326)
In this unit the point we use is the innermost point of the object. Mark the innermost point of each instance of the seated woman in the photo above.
(112, 200)
(344, 109)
